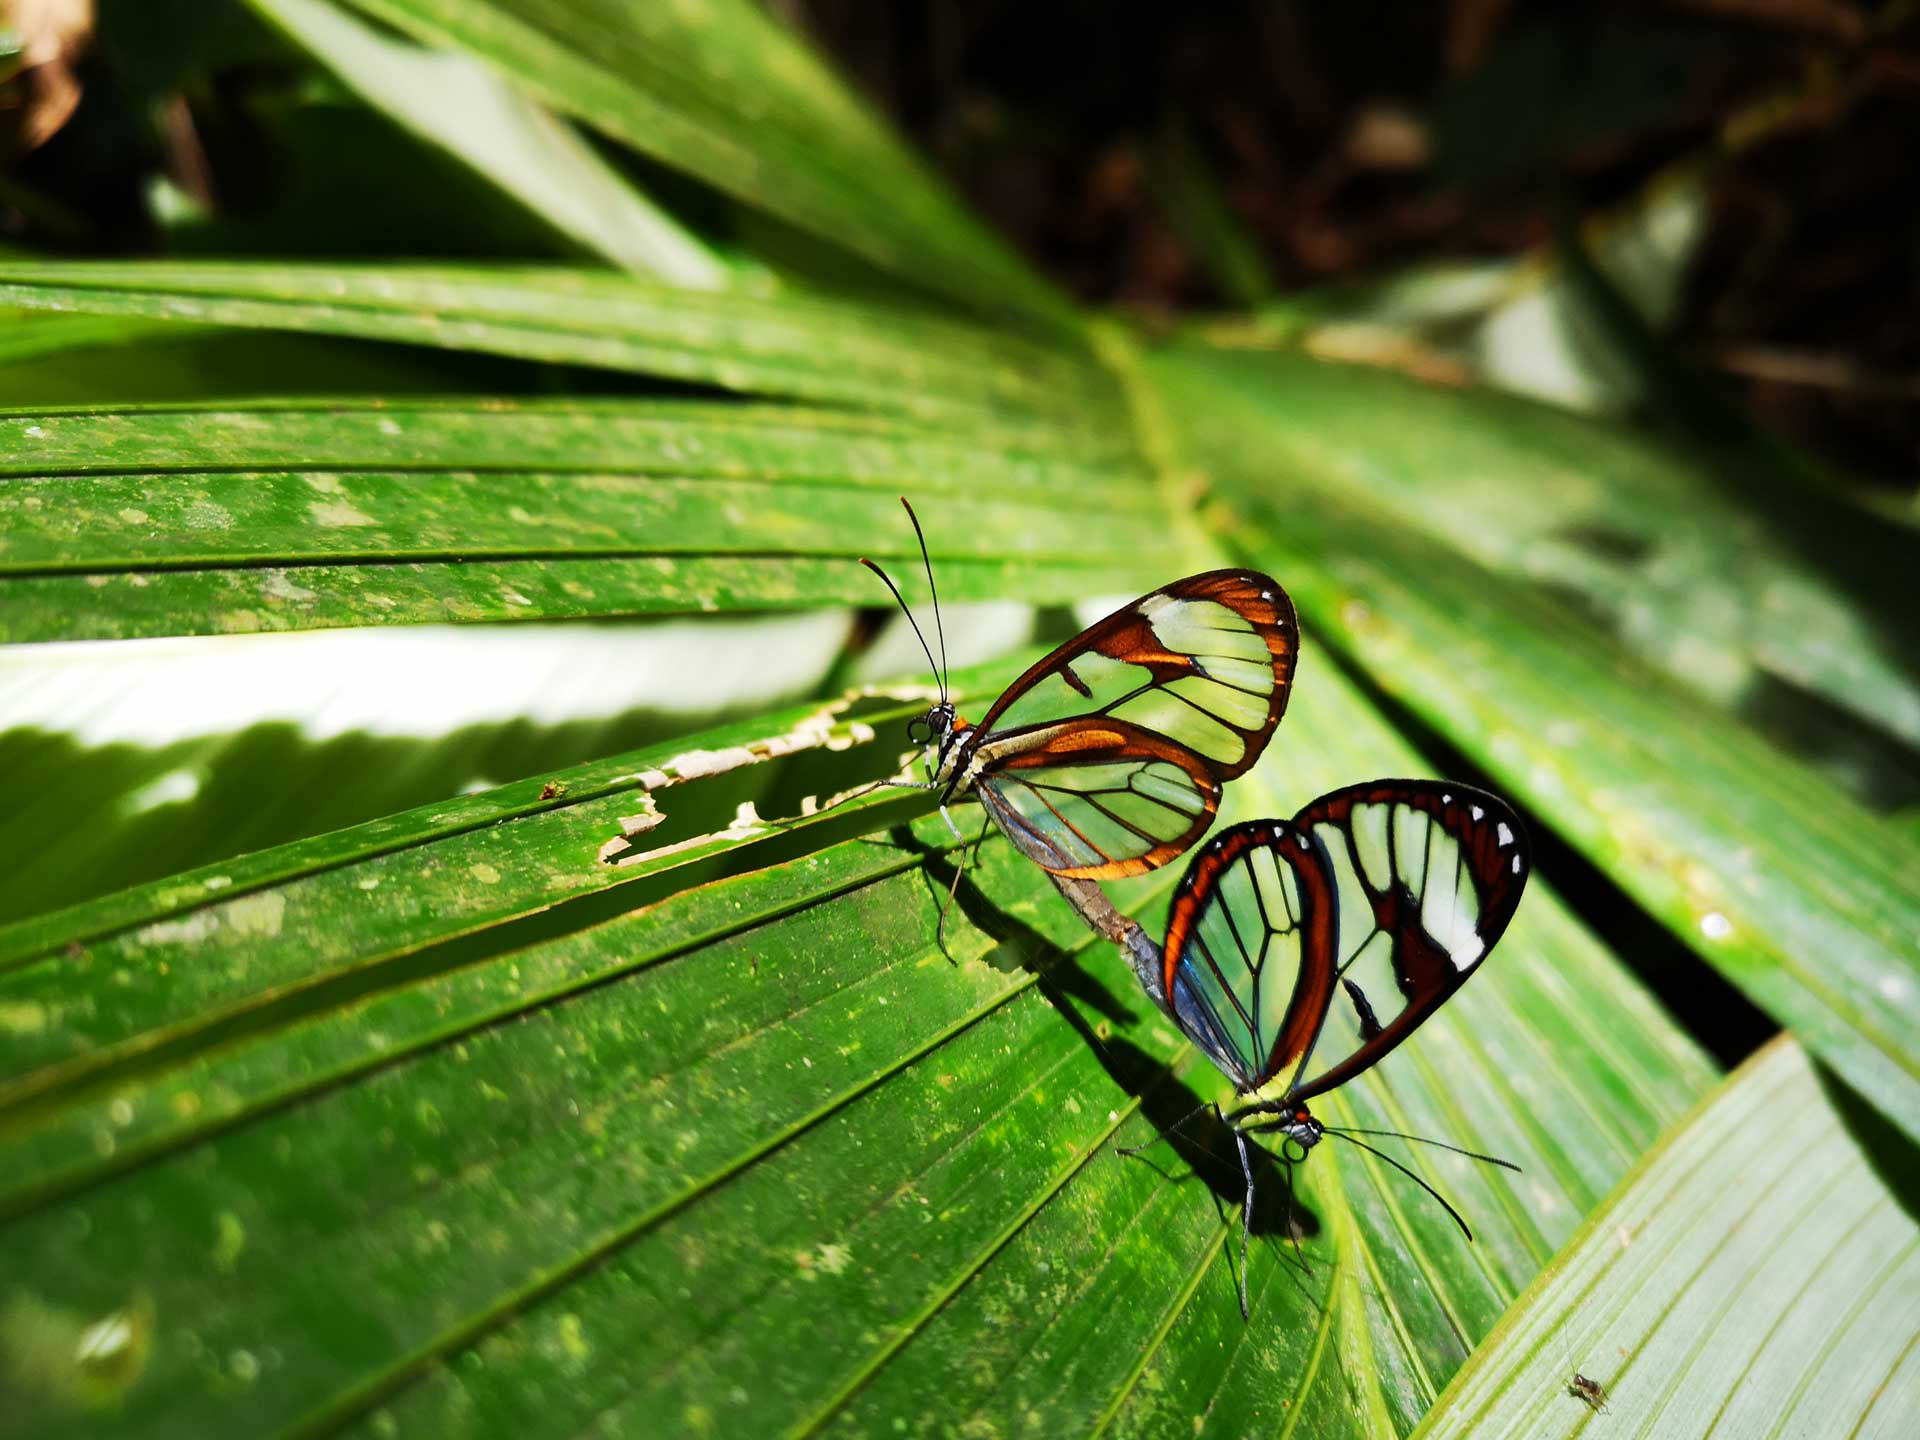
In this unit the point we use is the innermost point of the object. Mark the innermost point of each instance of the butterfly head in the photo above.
(935, 730)
(1300, 1128)
(938, 733)
(1269, 1111)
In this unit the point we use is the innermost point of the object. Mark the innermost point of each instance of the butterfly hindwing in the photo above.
(1249, 949)
(1392, 893)
(1108, 755)
(1099, 797)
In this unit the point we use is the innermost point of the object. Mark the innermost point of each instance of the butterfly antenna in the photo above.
(938, 628)
(1348, 1137)
(888, 582)
(1423, 1140)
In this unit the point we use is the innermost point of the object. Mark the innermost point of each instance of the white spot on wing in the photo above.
(1506, 835)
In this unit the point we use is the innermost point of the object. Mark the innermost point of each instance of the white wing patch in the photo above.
(1203, 627)
(1449, 901)
(1425, 860)
(1370, 840)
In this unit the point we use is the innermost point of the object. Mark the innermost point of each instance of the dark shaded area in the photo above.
(1888, 1150)
(1162, 157)
(270, 784)
(1348, 140)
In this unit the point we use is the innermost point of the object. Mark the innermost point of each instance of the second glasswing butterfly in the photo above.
(1107, 757)
(1360, 916)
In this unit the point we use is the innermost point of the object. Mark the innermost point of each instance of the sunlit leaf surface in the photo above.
(1759, 1274)
(759, 1147)
(233, 519)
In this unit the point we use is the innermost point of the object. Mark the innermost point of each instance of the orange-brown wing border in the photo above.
(1313, 988)
(1500, 870)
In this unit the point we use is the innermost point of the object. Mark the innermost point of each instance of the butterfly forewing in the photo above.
(1106, 758)
(1205, 662)
(1417, 880)
(1428, 874)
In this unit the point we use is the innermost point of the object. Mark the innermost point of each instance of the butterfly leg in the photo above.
(870, 787)
(1246, 1222)
(1173, 1129)
(1293, 1235)
(940, 928)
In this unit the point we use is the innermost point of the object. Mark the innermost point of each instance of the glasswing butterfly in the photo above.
(1339, 930)
(1106, 758)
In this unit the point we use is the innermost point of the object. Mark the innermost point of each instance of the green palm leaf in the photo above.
(721, 91)
(246, 518)
(1734, 1284)
(458, 103)
(639, 1096)
(1767, 870)
(786, 1032)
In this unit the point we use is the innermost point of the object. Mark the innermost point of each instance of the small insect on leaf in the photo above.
(1590, 1391)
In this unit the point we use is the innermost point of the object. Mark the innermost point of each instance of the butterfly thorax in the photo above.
(1269, 1110)
(945, 738)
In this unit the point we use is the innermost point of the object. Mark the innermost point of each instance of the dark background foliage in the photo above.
(1347, 139)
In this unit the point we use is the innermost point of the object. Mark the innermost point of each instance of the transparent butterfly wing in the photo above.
(1419, 879)
(1106, 758)
(1249, 949)
(1101, 800)
(1428, 874)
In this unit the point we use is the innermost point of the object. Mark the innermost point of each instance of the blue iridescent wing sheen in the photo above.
(1250, 942)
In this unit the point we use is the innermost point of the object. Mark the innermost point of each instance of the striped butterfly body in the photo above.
(1300, 952)
(1107, 757)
